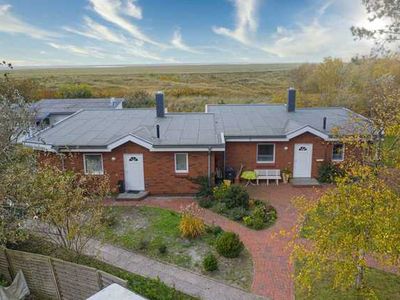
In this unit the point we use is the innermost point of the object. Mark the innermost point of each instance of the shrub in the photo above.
(109, 218)
(79, 90)
(191, 226)
(220, 208)
(139, 98)
(210, 263)
(254, 222)
(215, 230)
(236, 196)
(205, 190)
(237, 213)
(206, 202)
(220, 192)
(327, 173)
(229, 245)
(162, 249)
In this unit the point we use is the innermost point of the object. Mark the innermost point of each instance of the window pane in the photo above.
(337, 152)
(265, 153)
(181, 162)
(93, 164)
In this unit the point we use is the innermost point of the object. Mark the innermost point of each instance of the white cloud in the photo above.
(178, 43)
(246, 21)
(84, 51)
(327, 33)
(113, 11)
(12, 24)
(97, 31)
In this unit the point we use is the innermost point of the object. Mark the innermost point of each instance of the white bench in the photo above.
(268, 174)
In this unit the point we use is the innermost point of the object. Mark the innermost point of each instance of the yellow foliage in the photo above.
(191, 226)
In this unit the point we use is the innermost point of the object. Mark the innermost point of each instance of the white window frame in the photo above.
(102, 165)
(341, 159)
(187, 163)
(266, 162)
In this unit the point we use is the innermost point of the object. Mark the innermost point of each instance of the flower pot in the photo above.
(285, 177)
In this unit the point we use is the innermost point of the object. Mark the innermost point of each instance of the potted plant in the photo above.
(286, 173)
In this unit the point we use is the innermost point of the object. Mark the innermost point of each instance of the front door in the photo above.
(134, 173)
(302, 160)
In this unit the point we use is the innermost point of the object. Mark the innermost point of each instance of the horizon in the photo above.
(137, 32)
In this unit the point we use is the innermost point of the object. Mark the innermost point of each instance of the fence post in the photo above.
(53, 273)
(10, 266)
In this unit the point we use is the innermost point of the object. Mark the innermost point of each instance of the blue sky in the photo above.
(102, 32)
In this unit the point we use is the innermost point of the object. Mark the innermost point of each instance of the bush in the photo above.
(220, 192)
(162, 249)
(220, 208)
(254, 222)
(237, 213)
(210, 263)
(327, 173)
(139, 98)
(215, 230)
(206, 202)
(261, 215)
(205, 190)
(236, 196)
(229, 245)
(109, 218)
(190, 225)
(75, 91)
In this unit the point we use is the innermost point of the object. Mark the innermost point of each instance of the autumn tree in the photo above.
(16, 163)
(388, 33)
(68, 206)
(357, 220)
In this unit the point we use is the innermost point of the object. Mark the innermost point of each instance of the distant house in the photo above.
(50, 111)
(148, 149)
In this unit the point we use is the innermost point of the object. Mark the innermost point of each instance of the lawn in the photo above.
(385, 286)
(149, 288)
(147, 230)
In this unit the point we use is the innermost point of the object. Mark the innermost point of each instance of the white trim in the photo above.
(175, 149)
(187, 163)
(37, 146)
(102, 165)
(338, 160)
(256, 139)
(129, 138)
(266, 162)
(206, 108)
(305, 129)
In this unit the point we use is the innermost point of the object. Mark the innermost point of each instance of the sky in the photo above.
(113, 32)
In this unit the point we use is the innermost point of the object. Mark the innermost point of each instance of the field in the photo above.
(187, 87)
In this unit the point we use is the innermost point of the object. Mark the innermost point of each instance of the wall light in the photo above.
(113, 158)
(286, 147)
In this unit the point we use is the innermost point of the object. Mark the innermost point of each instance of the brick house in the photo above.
(148, 149)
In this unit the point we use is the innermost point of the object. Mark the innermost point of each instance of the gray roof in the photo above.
(266, 120)
(99, 128)
(47, 107)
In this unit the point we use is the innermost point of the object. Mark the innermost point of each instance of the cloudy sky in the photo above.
(101, 32)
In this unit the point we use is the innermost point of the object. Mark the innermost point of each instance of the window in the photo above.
(338, 152)
(181, 163)
(266, 153)
(93, 164)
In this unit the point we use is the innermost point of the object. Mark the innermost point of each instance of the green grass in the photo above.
(149, 288)
(384, 285)
(145, 229)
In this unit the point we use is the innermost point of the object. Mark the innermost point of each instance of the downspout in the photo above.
(61, 155)
(209, 166)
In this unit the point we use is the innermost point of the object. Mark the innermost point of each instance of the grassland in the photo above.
(187, 87)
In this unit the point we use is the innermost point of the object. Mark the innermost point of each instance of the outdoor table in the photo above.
(249, 176)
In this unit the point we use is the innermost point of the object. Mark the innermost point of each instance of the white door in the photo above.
(133, 171)
(302, 160)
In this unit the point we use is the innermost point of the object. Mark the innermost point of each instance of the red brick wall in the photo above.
(245, 153)
(159, 168)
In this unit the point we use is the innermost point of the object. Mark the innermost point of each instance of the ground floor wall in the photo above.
(159, 168)
(245, 153)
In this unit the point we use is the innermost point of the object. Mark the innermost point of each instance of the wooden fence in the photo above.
(52, 278)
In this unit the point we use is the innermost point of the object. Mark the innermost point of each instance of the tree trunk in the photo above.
(360, 271)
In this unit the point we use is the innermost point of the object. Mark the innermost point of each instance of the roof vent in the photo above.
(291, 104)
(158, 131)
(113, 103)
(324, 123)
(160, 105)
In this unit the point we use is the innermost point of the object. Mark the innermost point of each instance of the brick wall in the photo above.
(245, 153)
(159, 168)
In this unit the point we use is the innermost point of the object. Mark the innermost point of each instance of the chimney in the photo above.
(158, 131)
(291, 104)
(324, 123)
(160, 104)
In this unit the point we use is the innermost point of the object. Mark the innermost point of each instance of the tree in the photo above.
(356, 220)
(16, 163)
(386, 10)
(68, 206)
(138, 99)
(79, 90)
